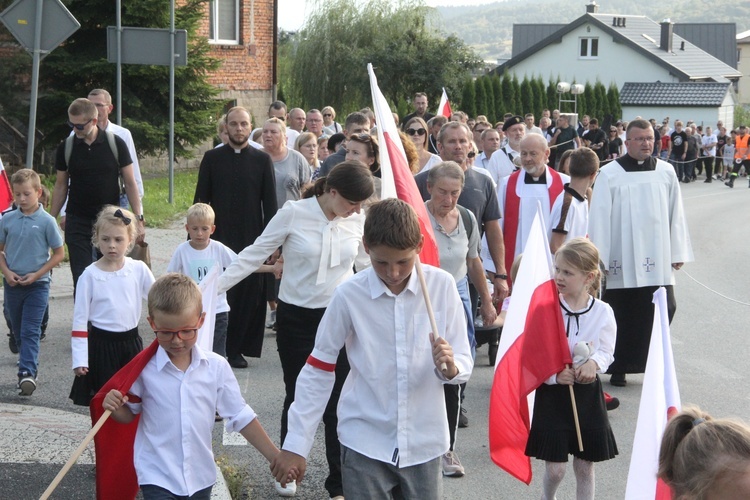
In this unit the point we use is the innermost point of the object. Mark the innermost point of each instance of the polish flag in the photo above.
(444, 108)
(396, 178)
(6, 193)
(532, 348)
(113, 444)
(660, 400)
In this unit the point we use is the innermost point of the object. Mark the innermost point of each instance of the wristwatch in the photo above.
(501, 276)
(139, 217)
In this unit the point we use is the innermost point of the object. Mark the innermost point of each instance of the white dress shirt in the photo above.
(392, 406)
(173, 443)
(318, 253)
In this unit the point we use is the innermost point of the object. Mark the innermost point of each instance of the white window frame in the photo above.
(213, 6)
(589, 46)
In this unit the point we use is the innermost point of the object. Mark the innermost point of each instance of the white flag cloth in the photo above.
(660, 399)
(444, 108)
(208, 286)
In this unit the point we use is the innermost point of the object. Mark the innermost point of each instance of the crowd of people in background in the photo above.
(282, 202)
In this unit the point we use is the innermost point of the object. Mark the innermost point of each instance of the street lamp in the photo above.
(565, 88)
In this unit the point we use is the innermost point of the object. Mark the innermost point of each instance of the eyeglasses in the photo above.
(182, 333)
(641, 139)
(327, 114)
(79, 126)
(416, 131)
(471, 154)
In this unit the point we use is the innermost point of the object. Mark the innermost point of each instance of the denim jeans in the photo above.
(25, 306)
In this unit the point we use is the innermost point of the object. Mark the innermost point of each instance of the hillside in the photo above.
(489, 28)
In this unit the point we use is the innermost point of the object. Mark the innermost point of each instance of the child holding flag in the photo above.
(176, 395)
(587, 319)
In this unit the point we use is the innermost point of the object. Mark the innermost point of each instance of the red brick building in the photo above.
(243, 35)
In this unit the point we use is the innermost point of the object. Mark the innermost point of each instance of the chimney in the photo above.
(592, 8)
(665, 42)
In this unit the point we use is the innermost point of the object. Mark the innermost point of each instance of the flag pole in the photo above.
(76, 454)
(428, 303)
(575, 417)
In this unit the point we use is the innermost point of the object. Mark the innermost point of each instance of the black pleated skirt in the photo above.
(553, 435)
(108, 352)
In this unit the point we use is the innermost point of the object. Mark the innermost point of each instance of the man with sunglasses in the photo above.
(420, 108)
(90, 180)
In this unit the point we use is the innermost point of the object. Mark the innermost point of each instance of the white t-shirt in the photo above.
(197, 263)
(569, 215)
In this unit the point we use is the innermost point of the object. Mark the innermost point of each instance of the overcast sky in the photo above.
(292, 12)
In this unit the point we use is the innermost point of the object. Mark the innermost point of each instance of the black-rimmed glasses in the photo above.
(79, 126)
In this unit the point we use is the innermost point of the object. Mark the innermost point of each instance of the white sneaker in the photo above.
(289, 491)
(452, 465)
(271, 320)
(27, 385)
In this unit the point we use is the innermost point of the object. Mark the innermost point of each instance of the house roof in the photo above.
(707, 94)
(526, 35)
(686, 60)
(718, 39)
(743, 37)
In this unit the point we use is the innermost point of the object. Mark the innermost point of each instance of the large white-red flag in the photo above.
(444, 108)
(396, 178)
(6, 194)
(660, 399)
(532, 348)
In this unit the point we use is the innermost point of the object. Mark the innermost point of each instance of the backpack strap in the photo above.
(467, 220)
(110, 140)
(68, 148)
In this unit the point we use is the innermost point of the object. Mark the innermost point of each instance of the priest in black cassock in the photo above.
(239, 183)
(637, 222)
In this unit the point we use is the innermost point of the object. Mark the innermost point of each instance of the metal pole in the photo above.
(119, 62)
(34, 85)
(171, 101)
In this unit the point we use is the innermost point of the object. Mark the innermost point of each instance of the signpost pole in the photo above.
(34, 85)
(171, 100)
(119, 62)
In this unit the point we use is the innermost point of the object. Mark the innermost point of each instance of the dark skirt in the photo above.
(634, 314)
(108, 352)
(553, 435)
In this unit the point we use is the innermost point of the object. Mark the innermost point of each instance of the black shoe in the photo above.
(611, 402)
(708, 180)
(618, 380)
(12, 344)
(237, 361)
(463, 420)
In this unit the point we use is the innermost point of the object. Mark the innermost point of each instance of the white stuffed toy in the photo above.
(582, 352)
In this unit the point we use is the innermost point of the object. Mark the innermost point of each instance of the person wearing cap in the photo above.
(502, 162)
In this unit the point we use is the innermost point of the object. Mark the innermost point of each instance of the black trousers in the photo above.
(453, 408)
(295, 338)
(82, 253)
(708, 163)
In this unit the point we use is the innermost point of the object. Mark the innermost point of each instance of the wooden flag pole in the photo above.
(76, 454)
(428, 303)
(575, 417)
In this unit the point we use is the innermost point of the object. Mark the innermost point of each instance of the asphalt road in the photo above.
(710, 346)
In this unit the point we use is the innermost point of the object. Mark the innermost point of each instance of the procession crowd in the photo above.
(290, 214)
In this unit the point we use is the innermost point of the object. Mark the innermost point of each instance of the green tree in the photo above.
(539, 97)
(469, 98)
(601, 98)
(527, 97)
(341, 37)
(81, 64)
(497, 89)
(480, 98)
(613, 98)
(509, 96)
(517, 104)
(552, 94)
(490, 92)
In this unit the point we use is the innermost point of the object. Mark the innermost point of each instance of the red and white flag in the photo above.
(396, 178)
(660, 399)
(444, 108)
(532, 348)
(6, 193)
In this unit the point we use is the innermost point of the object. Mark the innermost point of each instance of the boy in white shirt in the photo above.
(569, 217)
(177, 394)
(392, 422)
(197, 256)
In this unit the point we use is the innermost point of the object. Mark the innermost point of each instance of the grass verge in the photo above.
(234, 477)
(159, 212)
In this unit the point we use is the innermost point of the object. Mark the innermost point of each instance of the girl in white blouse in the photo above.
(321, 237)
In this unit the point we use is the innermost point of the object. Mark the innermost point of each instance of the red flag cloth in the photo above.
(6, 193)
(512, 207)
(397, 181)
(539, 352)
(444, 108)
(113, 444)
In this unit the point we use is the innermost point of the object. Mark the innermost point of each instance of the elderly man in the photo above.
(238, 182)
(502, 164)
(297, 119)
(314, 122)
(520, 192)
(490, 140)
(638, 224)
(89, 167)
(434, 126)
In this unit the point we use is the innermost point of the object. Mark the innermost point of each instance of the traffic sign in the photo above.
(57, 23)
